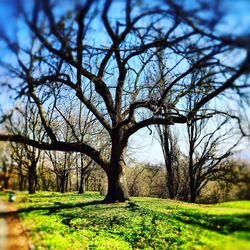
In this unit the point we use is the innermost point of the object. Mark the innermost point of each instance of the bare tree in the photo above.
(108, 75)
(135, 186)
(85, 169)
(171, 153)
(63, 165)
(26, 156)
(204, 158)
(46, 176)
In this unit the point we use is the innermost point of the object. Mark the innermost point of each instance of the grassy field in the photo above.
(71, 221)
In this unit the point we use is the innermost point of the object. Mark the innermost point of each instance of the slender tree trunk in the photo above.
(6, 182)
(170, 152)
(87, 184)
(70, 183)
(21, 180)
(62, 184)
(58, 188)
(45, 184)
(117, 186)
(192, 195)
(32, 178)
(192, 184)
(191, 170)
(170, 179)
(77, 176)
(82, 182)
(66, 182)
(82, 186)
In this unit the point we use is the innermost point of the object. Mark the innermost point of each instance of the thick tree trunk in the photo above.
(117, 186)
(32, 178)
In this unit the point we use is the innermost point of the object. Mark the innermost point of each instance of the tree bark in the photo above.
(77, 177)
(82, 184)
(117, 186)
(21, 182)
(62, 184)
(66, 182)
(32, 178)
(6, 182)
(193, 196)
(81, 189)
(57, 183)
(192, 188)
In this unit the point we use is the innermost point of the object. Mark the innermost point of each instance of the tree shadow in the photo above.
(224, 224)
(54, 195)
(58, 206)
(4, 215)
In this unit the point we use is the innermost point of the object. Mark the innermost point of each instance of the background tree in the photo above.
(205, 157)
(85, 168)
(167, 139)
(26, 157)
(6, 166)
(171, 153)
(46, 175)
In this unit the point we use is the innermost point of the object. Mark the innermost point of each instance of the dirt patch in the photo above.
(17, 238)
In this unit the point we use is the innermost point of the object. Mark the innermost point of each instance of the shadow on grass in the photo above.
(58, 206)
(4, 215)
(55, 195)
(224, 224)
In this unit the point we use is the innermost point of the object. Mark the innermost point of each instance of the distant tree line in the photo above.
(143, 179)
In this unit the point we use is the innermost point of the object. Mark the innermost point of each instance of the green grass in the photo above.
(72, 221)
